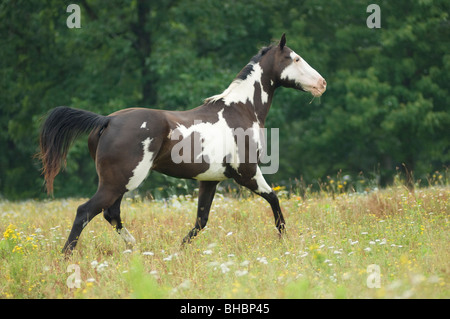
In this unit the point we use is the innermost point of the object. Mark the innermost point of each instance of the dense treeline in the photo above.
(387, 103)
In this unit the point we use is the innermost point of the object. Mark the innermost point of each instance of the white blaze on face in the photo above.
(143, 167)
(304, 75)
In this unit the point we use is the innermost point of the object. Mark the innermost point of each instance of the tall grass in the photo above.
(332, 238)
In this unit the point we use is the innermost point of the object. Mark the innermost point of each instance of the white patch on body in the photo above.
(240, 91)
(215, 172)
(143, 167)
(144, 125)
(217, 143)
(257, 135)
(301, 72)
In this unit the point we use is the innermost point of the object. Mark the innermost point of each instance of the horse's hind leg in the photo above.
(206, 192)
(112, 215)
(102, 199)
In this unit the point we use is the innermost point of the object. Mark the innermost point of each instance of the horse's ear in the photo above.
(282, 41)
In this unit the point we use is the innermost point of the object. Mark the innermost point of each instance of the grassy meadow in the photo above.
(389, 243)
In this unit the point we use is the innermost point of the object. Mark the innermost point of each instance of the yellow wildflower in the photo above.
(10, 232)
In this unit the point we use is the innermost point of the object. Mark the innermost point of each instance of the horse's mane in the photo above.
(249, 67)
(242, 75)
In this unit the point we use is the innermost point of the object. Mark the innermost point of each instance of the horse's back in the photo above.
(125, 126)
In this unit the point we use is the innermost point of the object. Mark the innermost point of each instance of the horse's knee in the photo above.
(82, 216)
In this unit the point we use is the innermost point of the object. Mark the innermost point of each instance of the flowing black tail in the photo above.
(62, 126)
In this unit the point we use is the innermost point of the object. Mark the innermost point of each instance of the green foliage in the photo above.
(142, 284)
(386, 104)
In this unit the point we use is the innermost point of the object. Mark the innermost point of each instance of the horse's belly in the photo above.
(215, 172)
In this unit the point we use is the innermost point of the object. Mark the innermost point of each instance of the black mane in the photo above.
(249, 67)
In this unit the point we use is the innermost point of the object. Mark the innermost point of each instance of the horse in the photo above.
(198, 144)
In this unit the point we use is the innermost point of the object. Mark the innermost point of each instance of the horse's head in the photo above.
(293, 71)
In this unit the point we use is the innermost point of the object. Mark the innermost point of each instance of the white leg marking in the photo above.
(127, 237)
(263, 187)
(142, 169)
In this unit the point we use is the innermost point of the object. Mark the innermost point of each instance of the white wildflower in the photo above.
(102, 266)
(168, 258)
(241, 273)
(262, 260)
(224, 268)
(148, 253)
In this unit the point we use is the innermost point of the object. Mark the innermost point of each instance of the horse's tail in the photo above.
(62, 126)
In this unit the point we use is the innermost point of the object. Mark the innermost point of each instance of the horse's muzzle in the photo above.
(319, 88)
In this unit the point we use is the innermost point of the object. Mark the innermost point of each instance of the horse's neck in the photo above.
(262, 105)
(254, 94)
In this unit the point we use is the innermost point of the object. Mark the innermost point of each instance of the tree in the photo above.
(386, 103)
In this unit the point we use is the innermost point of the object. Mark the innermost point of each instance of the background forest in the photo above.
(386, 109)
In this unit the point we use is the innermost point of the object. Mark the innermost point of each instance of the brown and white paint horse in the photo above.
(128, 144)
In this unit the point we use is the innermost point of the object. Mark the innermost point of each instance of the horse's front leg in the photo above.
(207, 189)
(258, 184)
(275, 205)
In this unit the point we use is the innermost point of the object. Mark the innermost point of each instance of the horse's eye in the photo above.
(297, 59)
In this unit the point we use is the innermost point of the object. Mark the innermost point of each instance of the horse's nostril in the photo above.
(324, 83)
